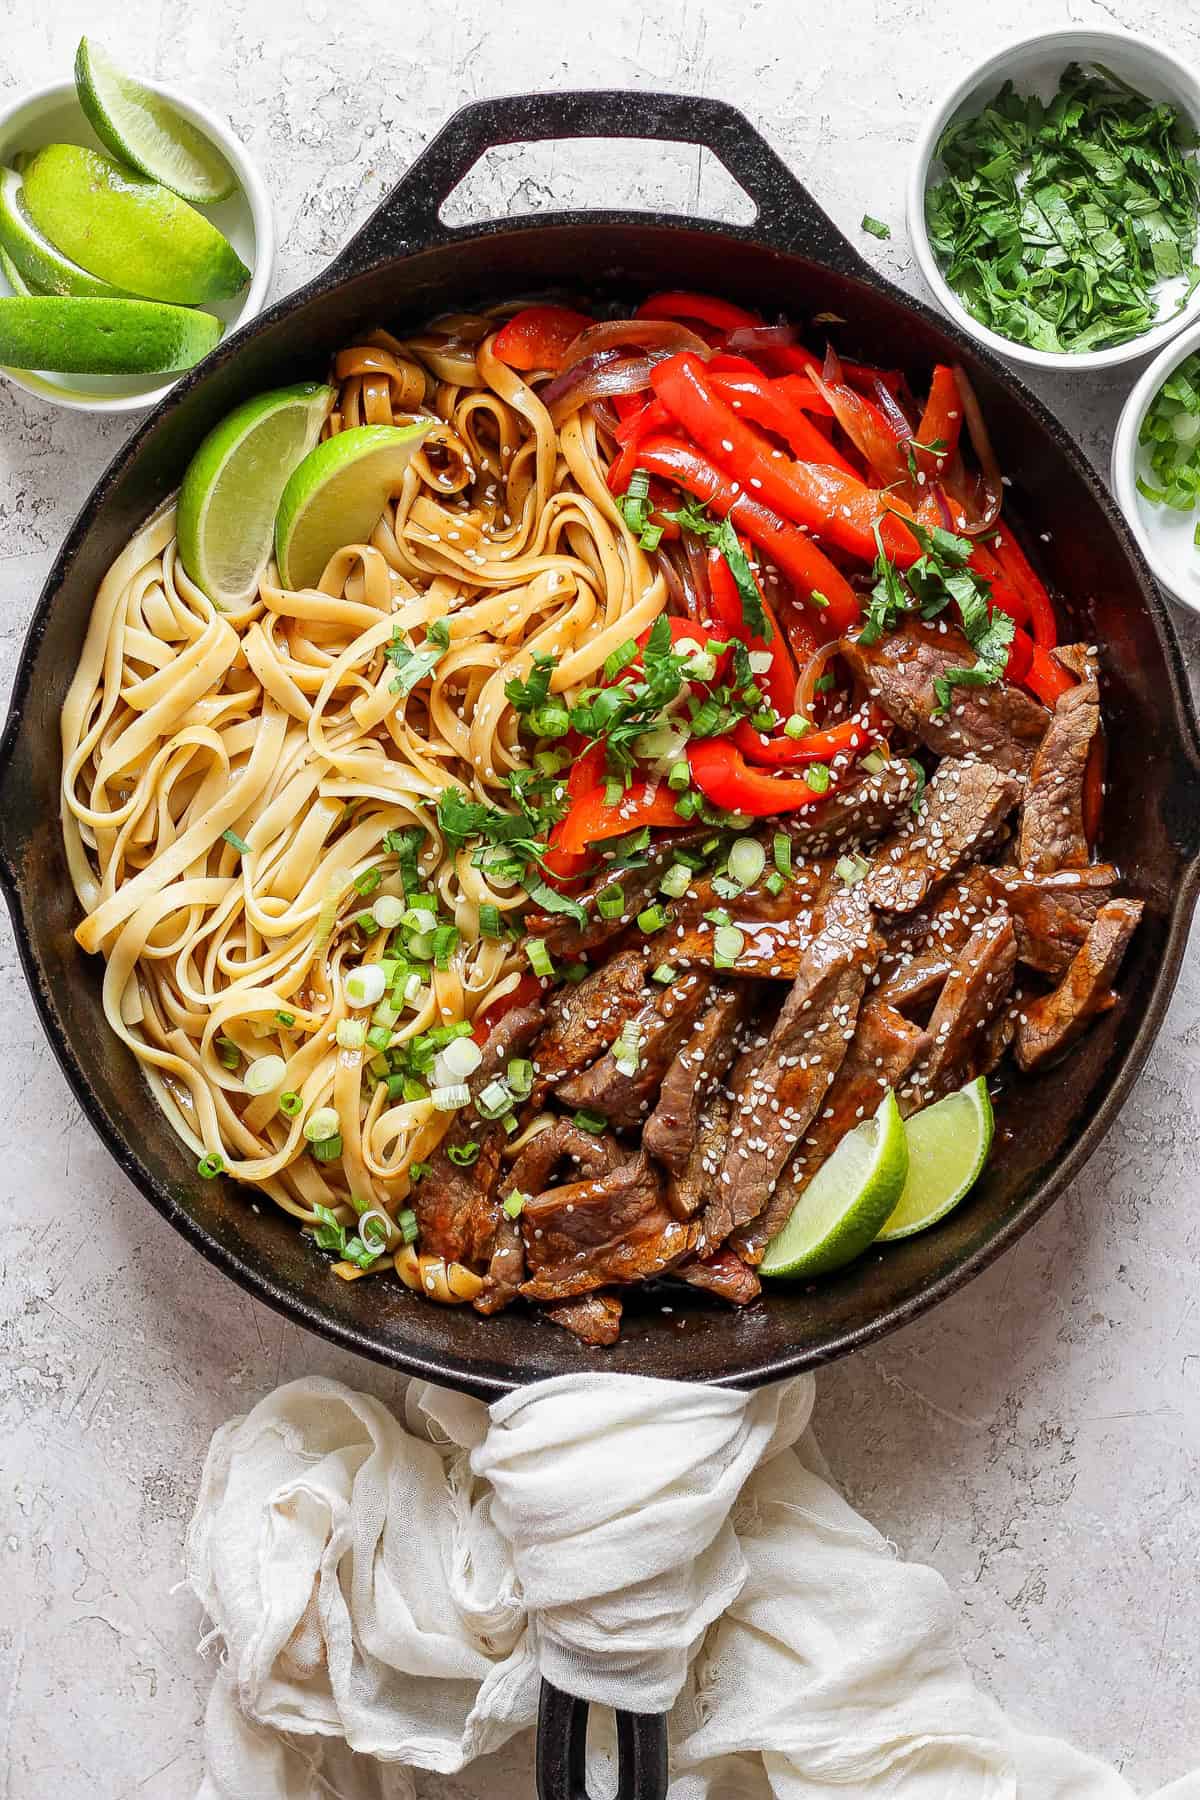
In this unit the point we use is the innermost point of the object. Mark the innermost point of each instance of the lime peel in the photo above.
(146, 131)
(81, 336)
(337, 495)
(948, 1144)
(840, 1212)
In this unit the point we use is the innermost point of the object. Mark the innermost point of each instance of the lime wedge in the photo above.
(840, 1211)
(145, 131)
(337, 494)
(41, 266)
(231, 490)
(102, 337)
(948, 1144)
(130, 231)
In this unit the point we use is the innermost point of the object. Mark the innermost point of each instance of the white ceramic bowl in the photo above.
(1164, 534)
(1034, 64)
(53, 115)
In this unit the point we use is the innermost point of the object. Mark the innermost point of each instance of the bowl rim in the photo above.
(1123, 462)
(258, 199)
(949, 99)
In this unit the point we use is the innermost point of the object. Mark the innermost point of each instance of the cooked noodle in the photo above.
(278, 725)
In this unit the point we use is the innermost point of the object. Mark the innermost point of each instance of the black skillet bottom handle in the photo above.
(562, 1750)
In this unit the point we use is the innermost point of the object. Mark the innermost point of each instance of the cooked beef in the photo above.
(1052, 913)
(692, 1188)
(1049, 1026)
(1000, 724)
(779, 1083)
(506, 1267)
(777, 928)
(582, 1021)
(670, 1131)
(567, 940)
(593, 1318)
(593, 1234)
(663, 1024)
(962, 813)
(920, 947)
(457, 1209)
(884, 1048)
(722, 1273)
(970, 1004)
(859, 812)
(543, 1156)
(1052, 834)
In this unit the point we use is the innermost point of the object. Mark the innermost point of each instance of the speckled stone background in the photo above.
(1036, 1439)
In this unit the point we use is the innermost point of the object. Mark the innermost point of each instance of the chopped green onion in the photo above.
(514, 1204)
(406, 1221)
(797, 726)
(445, 943)
(874, 762)
(285, 1019)
(519, 1075)
(824, 683)
(450, 1098)
(781, 849)
(239, 843)
(211, 1165)
(291, 1104)
(728, 944)
(368, 881)
(385, 1014)
(550, 721)
(367, 923)
(327, 1149)
(620, 658)
(366, 985)
(876, 227)
(679, 777)
(664, 974)
(627, 1050)
(763, 720)
(540, 960)
(379, 1037)
(747, 860)
(494, 1100)
(614, 791)
(726, 889)
(420, 945)
(589, 1121)
(490, 923)
(575, 972)
(264, 1074)
(351, 1034)
(817, 599)
(818, 777)
(774, 883)
(388, 911)
(676, 881)
(321, 1124)
(851, 869)
(551, 762)
(461, 1057)
(653, 918)
(610, 901)
(688, 805)
(718, 918)
(463, 1155)
(228, 1052)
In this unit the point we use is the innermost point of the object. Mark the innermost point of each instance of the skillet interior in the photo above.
(1046, 1128)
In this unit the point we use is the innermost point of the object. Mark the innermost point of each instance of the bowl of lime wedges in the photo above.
(135, 233)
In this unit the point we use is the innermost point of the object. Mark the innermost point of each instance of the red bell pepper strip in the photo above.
(801, 390)
(779, 681)
(941, 421)
(1021, 575)
(793, 553)
(853, 737)
(823, 499)
(640, 421)
(724, 776)
(527, 990)
(538, 337)
(1020, 656)
(757, 397)
(723, 315)
(590, 820)
(1047, 678)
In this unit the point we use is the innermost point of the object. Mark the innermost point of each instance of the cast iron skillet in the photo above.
(404, 266)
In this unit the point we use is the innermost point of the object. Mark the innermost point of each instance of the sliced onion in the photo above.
(678, 577)
(628, 375)
(891, 409)
(811, 673)
(697, 558)
(879, 450)
(989, 489)
(643, 334)
(749, 338)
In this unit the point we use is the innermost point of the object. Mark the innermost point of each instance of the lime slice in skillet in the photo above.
(42, 267)
(102, 337)
(337, 495)
(127, 229)
(230, 493)
(948, 1144)
(840, 1211)
(145, 131)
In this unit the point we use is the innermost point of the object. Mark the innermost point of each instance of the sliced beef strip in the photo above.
(921, 946)
(1052, 834)
(593, 1154)
(692, 1188)
(1052, 913)
(582, 1021)
(1047, 1027)
(592, 1234)
(778, 1085)
(1000, 724)
(723, 1273)
(707, 1052)
(663, 1023)
(857, 813)
(506, 1268)
(593, 1318)
(884, 1048)
(457, 1209)
(962, 813)
(971, 1004)
(776, 928)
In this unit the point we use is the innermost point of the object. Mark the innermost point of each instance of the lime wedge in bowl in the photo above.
(127, 230)
(839, 1214)
(337, 495)
(948, 1144)
(230, 493)
(144, 130)
(16, 281)
(42, 266)
(102, 337)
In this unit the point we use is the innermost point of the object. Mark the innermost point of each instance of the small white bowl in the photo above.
(1034, 65)
(53, 115)
(1164, 534)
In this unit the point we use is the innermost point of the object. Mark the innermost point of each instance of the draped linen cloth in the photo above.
(388, 1594)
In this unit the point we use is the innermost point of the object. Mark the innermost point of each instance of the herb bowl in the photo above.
(1034, 65)
(53, 115)
(1164, 534)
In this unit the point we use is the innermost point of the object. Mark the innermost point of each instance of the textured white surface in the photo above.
(1036, 1439)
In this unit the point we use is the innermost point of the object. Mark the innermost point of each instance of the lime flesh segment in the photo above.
(839, 1213)
(41, 266)
(337, 495)
(948, 1144)
(102, 337)
(144, 130)
(129, 231)
(230, 493)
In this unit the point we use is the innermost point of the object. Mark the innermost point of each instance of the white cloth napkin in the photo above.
(389, 1593)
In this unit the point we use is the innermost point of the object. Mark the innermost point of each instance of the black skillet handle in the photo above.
(788, 216)
(561, 1756)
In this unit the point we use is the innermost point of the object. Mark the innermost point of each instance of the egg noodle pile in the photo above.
(230, 776)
